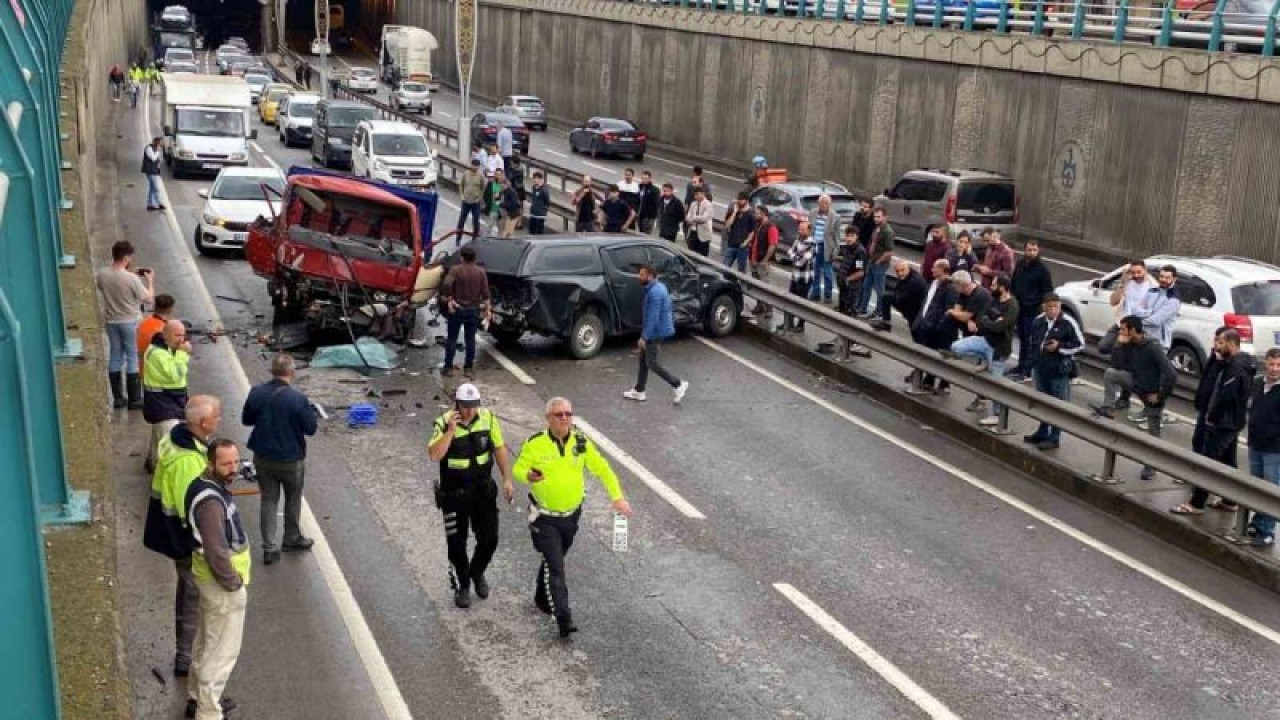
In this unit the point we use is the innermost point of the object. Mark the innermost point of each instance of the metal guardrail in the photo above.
(1222, 27)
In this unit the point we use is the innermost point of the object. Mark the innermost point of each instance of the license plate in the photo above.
(240, 237)
(212, 166)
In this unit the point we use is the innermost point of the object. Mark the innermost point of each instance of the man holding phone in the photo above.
(552, 464)
(466, 441)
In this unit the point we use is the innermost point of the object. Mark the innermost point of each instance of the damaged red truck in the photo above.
(346, 255)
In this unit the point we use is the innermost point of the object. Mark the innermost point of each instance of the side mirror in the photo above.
(168, 130)
(203, 192)
(1095, 283)
(253, 134)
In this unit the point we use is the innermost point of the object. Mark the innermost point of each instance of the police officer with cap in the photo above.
(466, 441)
(552, 463)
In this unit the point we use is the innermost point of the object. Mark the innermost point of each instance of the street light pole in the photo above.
(464, 37)
(322, 39)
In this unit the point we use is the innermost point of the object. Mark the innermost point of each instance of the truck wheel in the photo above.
(722, 316)
(586, 335)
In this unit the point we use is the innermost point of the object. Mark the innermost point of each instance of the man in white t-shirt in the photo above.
(1126, 299)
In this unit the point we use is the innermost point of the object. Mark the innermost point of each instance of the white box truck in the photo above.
(405, 54)
(206, 122)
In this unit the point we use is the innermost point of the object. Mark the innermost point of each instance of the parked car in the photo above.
(484, 130)
(363, 80)
(393, 152)
(1219, 291)
(332, 130)
(969, 200)
(583, 288)
(269, 101)
(790, 202)
(528, 108)
(608, 136)
(230, 56)
(412, 95)
(236, 199)
(294, 118)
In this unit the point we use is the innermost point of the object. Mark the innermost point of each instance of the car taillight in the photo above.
(642, 136)
(608, 136)
(1242, 324)
(950, 212)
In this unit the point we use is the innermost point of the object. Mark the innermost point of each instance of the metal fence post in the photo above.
(970, 10)
(1122, 22)
(1037, 24)
(1269, 41)
(45, 89)
(28, 673)
(1215, 30)
(1002, 23)
(1077, 21)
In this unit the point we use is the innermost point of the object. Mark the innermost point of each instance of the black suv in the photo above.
(583, 288)
(332, 129)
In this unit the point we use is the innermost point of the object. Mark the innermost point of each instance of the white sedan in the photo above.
(362, 80)
(236, 199)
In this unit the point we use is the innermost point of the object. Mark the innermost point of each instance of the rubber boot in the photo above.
(116, 383)
(134, 381)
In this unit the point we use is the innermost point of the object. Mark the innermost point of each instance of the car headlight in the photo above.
(239, 157)
(211, 219)
(186, 154)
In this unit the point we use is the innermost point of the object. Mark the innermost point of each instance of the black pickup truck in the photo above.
(583, 288)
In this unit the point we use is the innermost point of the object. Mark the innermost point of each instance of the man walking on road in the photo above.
(282, 419)
(657, 325)
(465, 292)
(670, 213)
(471, 192)
(698, 218)
(648, 205)
(221, 565)
(164, 384)
(1055, 340)
(539, 204)
(466, 441)
(183, 458)
(880, 252)
(123, 293)
(1031, 281)
(552, 464)
(151, 157)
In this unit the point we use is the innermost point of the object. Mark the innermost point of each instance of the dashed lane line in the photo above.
(874, 660)
(1078, 535)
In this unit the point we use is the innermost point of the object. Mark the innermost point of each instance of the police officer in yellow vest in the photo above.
(466, 441)
(552, 462)
(183, 458)
(220, 564)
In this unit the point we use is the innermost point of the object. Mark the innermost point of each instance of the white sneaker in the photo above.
(989, 421)
(634, 394)
(681, 389)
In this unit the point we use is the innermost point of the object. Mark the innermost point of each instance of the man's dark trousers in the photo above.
(1026, 320)
(186, 610)
(552, 538)
(467, 319)
(470, 510)
(274, 477)
(651, 359)
(472, 209)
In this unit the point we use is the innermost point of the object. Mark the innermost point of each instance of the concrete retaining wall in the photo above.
(1164, 159)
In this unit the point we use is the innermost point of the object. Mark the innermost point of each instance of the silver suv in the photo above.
(969, 200)
(526, 107)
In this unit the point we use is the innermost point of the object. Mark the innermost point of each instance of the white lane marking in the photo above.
(688, 165)
(557, 153)
(270, 161)
(509, 364)
(867, 654)
(601, 168)
(662, 489)
(442, 113)
(384, 685)
(1124, 559)
(447, 203)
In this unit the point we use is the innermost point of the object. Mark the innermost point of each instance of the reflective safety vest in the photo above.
(176, 468)
(562, 487)
(203, 490)
(469, 462)
(165, 369)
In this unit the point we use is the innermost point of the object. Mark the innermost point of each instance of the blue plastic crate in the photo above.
(362, 415)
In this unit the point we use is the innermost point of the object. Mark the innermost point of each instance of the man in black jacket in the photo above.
(670, 213)
(282, 418)
(934, 328)
(906, 295)
(1264, 442)
(1222, 403)
(649, 203)
(991, 338)
(1055, 340)
(1148, 374)
(539, 204)
(1031, 281)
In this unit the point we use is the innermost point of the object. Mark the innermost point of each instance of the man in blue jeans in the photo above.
(739, 223)
(880, 252)
(827, 236)
(151, 156)
(1264, 443)
(465, 293)
(1055, 339)
(658, 325)
(123, 293)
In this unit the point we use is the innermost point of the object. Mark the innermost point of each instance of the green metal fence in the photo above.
(33, 337)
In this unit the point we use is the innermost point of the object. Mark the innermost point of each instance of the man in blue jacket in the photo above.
(658, 325)
(282, 418)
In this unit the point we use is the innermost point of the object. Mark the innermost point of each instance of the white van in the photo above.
(393, 152)
(294, 118)
(206, 122)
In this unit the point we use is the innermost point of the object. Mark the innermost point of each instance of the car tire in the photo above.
(198, 240)
(1184, 359)
(428, 111)
(573, 146)
(586, 335)
(640, 157)
(506, 338)
(722, 316)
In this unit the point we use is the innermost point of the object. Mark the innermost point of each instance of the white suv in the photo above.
(393, 152)
(1219, 291)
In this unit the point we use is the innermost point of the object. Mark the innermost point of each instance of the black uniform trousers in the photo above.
(477, 512)
(552, 537)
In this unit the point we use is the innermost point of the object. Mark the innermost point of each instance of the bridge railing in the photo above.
(1213, 27)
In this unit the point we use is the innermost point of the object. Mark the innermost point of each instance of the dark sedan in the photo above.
(485, 126)
(791, 202)
(584, 288)
(608, 136)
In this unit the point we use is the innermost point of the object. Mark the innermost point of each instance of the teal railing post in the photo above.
(1215, 30)
(911, 11)
(859, 10)
(970, 10)
(28, 272)
(1077, 20)
(1002, 23)
(1037, 23)
(884, 11)
(1166, 25)
(1269, 42)
(820, 10)
(28, 672)
(1122, 21)
(841, 10)
(47, 90)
